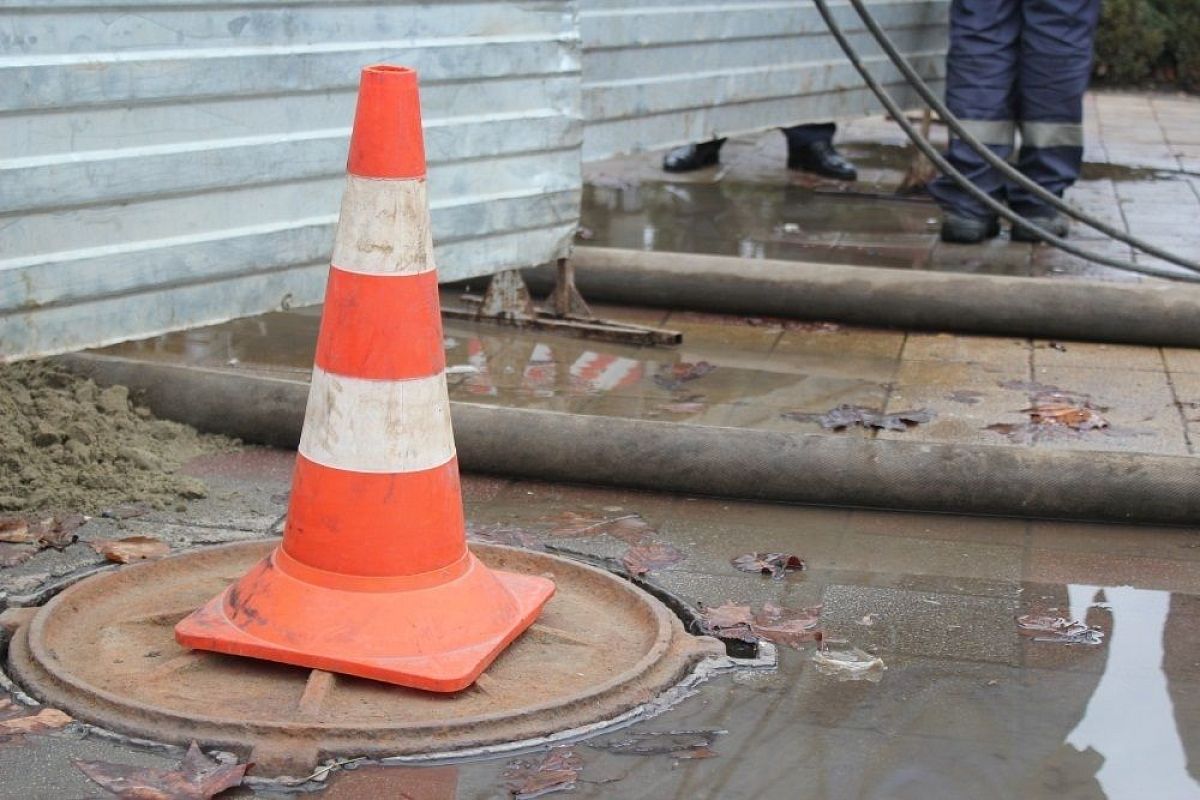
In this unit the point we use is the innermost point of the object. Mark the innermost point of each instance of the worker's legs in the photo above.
(1055, 62)
(803, 135)
(981, 77)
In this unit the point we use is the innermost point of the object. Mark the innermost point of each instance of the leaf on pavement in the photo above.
(16, 530)
(18, 719)
(773, 564)
(56, 531)
(847, 416)
(198, 777)
(786, 626)
(555, 771)
(729, 621)
(642, 558)
(131, 548)
(782, 626)
(1061, 409)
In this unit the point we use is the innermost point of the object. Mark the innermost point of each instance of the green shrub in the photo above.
(1149, 40)
(1130, 41)
(1183, 41)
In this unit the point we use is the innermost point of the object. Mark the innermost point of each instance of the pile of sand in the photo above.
(65, 443)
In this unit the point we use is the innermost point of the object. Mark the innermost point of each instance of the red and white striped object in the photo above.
(373, 577)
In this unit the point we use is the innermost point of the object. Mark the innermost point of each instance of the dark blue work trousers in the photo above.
(1017, 66)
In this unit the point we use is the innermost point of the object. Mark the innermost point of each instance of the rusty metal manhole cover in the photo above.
(103, 651)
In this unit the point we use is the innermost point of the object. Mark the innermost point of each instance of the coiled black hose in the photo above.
(946, 168)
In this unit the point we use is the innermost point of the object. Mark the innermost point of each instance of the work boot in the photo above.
(1051, 222)
(692, 157)
(968, 230)
(823, 159)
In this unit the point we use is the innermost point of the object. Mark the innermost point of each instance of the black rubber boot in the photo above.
(968, 230)
(821, 158)
(692, 157)
(1054, 223)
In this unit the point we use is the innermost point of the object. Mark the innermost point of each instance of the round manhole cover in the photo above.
(104, 651)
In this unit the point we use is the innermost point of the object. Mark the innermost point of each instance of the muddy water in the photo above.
(967, 708)
(752, 207)
(495, 365)
(761, 221)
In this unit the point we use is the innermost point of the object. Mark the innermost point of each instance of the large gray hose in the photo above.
(965, 183)
(1152, 313)
(729, 462)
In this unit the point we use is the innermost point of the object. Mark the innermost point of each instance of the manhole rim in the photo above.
(123, 714)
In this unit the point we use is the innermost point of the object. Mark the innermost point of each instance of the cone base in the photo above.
(438, 638)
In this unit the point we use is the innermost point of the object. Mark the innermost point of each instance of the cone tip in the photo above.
(387, 141)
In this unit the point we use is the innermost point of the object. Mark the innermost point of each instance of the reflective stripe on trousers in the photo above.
(1017, 66)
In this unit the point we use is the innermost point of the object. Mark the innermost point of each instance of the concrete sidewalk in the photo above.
(775, 375)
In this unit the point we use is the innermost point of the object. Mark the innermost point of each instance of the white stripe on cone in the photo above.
(377, 426)
(384, 228)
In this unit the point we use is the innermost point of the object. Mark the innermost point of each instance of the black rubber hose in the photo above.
(945, 167)
(1002, 166)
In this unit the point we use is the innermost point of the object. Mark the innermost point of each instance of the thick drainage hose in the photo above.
(1155, 313)
(726, 462)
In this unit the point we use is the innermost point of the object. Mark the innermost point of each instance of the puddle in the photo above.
(1096, 171)
(967, 706)
(759, 221)
(709, 383)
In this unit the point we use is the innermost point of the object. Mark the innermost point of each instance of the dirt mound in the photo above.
(65, 443)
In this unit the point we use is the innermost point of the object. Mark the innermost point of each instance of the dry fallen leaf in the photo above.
(197, 778)
(131, 548)
(556, 771)
(56, 531)
(16, 531)
(773, 564)
(642, 558)
(18, 719)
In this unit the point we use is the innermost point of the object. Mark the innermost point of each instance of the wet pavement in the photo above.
(775, 375)
(967, 707)
(1142, 174)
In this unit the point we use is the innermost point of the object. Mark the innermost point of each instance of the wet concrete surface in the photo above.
(967, 708)
(771, 375)
(1140, 179)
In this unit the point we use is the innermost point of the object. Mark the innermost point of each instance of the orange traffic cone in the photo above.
(374, 577)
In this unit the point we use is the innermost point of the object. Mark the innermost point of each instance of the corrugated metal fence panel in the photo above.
(168, 163)
(660, 73)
